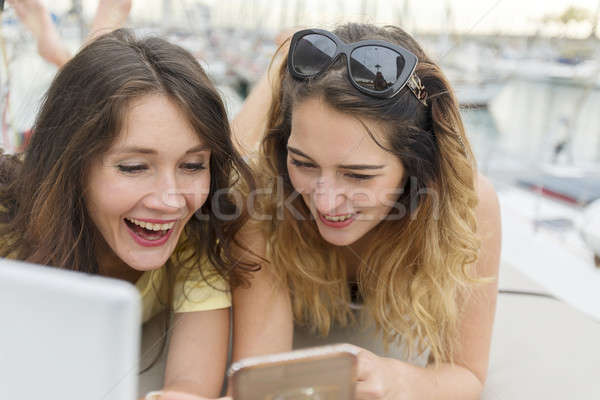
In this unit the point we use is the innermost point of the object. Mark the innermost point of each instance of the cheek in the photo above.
(197, 191)
(108, 196)
(301, 182)
(107, 207)
(389, 192)
(379, 194)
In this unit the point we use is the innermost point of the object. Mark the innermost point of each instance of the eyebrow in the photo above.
(145, 150)
(348, 166)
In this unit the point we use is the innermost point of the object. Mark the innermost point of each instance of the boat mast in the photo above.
(167, 14)
(297, 14)
(403, 16)
(449, 18)
(594, 34)
(341, 6)
(77, 11)
(282, 16)
(374, 9)
(363, 11)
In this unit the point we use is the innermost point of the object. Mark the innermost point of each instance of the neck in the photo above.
(353, 260)
(119, 270)
(355, 255)
(111, 266)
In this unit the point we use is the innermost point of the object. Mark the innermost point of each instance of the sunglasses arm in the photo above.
(415, 86)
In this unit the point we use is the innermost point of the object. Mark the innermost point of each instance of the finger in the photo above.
(365, 365)
(370, 390)
(173, 395)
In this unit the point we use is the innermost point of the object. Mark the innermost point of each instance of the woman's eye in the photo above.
(130, 169)
(360, 176)
(302, 164)
(193, 166)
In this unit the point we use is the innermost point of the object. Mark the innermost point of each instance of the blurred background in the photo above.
(526, 73)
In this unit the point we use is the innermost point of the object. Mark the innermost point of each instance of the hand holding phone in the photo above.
(318, 373)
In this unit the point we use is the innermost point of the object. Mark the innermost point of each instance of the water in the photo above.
(528, 120)
(534, 116)
(522, 127)
(482, 133)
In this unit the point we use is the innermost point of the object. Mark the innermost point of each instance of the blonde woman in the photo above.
(373, 222)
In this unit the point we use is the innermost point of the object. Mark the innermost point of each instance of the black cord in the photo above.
(528, 293)
(536, 294)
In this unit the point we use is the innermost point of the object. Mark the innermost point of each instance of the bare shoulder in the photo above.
(488, 209)
(489, 226)
(251, 242)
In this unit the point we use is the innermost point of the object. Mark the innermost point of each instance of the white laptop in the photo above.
(67, 335)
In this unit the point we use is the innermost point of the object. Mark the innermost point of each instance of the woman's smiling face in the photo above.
(346, 179)
(141, 193)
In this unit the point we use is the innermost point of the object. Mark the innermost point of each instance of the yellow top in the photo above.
(191, 292)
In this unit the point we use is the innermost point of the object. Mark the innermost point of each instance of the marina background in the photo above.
(527, 75)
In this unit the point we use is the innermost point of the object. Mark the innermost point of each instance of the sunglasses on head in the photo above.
(375, 67)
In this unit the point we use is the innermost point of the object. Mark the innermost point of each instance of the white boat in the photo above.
(542, 239)
(476, 93)
(590, 229)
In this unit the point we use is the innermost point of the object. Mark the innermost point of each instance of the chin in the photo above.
(339, 238)
(146, 263)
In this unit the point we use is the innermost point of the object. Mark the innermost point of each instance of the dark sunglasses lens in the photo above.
(313, 53)
(376, 68)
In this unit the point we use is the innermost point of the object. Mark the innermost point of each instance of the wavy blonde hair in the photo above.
(418, 269)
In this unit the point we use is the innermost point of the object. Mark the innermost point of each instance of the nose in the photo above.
(327, 194)
(166, 195)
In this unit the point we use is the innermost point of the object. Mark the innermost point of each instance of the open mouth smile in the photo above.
(337, 221)
(149, 234)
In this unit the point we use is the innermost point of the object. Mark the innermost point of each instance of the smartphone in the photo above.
(316, 373)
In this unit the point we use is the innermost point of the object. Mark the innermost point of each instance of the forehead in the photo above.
(156, 122)
(328, 135)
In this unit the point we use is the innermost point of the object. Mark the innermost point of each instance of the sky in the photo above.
(476, 16)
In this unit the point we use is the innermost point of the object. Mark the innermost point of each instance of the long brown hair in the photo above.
(417, 267)
(44, 218)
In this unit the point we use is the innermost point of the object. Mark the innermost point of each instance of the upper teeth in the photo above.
(151, 226)
(337, 218)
